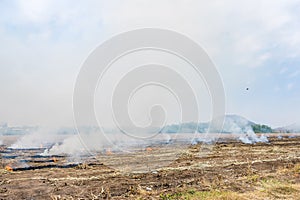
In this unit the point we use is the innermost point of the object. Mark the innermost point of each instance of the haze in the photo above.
(254, 44)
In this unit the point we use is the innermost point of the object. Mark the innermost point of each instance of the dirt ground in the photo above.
(229, 170)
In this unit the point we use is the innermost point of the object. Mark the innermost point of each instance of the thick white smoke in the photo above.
(95, 142)
(251, 138)
(236, 126)
(41, 138)
(241, 129)
(70, 145)
(76, 145)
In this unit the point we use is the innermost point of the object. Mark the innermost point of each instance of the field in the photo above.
(228, 170)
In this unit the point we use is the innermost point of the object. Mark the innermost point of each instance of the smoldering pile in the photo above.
(28, 152)
(31, 158)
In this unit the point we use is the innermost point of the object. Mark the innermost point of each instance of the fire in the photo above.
(9, 168)
(148, 149)
(108, 152)
(54, 159)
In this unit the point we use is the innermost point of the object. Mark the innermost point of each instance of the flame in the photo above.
(108, 152)
(54, 159)
(9, 168)
(148, 149)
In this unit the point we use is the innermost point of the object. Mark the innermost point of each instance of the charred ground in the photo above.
(232, 170)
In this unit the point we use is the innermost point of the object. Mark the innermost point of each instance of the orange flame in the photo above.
(9, 168)
(108, 152)
(148, 149)
(54, 159)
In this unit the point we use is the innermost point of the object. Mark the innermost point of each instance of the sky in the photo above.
(254, 44)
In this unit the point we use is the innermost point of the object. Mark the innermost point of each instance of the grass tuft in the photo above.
(205, 195)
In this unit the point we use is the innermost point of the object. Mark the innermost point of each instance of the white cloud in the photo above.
(277, 89)
(34, 10)
(283, 70)
(290, 86)
(294, 74)
(261, 59)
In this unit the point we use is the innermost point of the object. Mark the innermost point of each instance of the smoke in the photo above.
(1, 134)
(235, 126)
(70, 146)
(92, 140)
(251, 138)
(96, 142)
(204, 138)
(41, 138)
(241, 129)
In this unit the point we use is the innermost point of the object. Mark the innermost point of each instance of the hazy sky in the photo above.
(254, 44)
